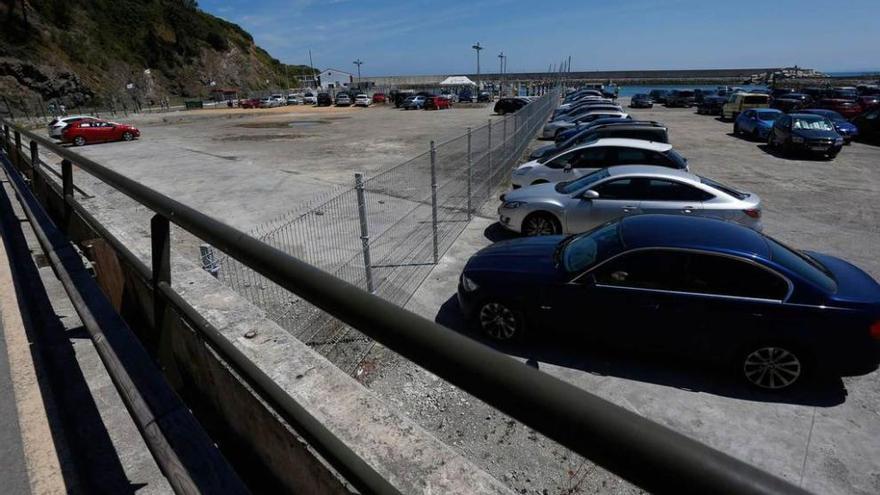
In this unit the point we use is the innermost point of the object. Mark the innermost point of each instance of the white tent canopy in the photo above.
(457, 81)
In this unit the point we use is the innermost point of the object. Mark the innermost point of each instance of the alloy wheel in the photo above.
(772, 367)
(127, 136)
(79, 140)
(537, 225)
(498, 321)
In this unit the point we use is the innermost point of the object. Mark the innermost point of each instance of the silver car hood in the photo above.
(536, 192)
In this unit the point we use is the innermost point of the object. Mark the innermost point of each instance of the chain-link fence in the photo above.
(386, 233)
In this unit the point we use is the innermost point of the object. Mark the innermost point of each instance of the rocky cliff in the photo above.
(96, 51)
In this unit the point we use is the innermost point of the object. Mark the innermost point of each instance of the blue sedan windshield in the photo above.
(581, 252)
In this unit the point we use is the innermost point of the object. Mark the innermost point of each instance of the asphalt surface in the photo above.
(13, 468)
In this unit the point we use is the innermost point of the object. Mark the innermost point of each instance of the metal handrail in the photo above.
(633, 447)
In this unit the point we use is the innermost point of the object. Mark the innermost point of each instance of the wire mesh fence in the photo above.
(387, 232)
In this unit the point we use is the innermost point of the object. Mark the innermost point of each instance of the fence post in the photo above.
(160, 243)
(489, 161)
(35, 164)
(434, 202)
(67, 190)
(18, 161)
(365, 235)
(505, 148)
(470, 173)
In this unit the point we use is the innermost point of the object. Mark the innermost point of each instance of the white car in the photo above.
(56, 127)
(566, 106)
(279, 99)
(601, 153)
(362, 100)
(310, 99)
(552, 128)
(294, 99)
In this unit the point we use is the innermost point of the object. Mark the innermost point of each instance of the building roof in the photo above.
(457, 81)
(336, 70)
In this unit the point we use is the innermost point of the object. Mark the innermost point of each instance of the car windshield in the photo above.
(679, 160)
(721, 187)
(812, 124)
(803, 265)
(579, 252)
(585, 181)
(770, 116)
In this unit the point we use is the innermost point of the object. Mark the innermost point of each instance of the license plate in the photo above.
(818, 148)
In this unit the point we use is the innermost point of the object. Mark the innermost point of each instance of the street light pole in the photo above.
(501, 74)
(477, 47)
(358, 62)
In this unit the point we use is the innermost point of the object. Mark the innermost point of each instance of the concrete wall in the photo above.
(268, 451)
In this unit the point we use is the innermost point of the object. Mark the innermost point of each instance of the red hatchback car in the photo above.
(97, 131)
(249, 103)
(847, 108)
(437, 103)
(379, 98)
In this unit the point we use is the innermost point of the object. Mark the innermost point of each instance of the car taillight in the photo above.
(875, 330)
(753, 212)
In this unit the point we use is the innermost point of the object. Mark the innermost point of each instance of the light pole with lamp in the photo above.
(477, 48)
(359, 62)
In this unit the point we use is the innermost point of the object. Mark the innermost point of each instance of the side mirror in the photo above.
(590, 194)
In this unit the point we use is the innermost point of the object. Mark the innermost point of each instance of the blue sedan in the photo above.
(845, 128)
(756, 122)
(696, 287)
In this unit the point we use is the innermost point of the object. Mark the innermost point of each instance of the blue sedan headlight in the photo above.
(467, 284)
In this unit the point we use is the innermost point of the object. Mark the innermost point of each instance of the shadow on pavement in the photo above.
(496, 233)
(576, 353)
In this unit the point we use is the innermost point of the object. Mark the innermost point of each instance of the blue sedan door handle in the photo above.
(687, 209)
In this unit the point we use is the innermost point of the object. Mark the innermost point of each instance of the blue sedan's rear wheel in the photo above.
(772, 367)
(500, 322)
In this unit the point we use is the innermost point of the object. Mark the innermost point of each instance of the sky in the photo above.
(409, 37)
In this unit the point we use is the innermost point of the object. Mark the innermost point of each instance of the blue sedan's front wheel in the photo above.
(500, 322)
(772, 367)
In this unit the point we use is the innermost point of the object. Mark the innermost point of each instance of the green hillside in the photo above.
(92, 50)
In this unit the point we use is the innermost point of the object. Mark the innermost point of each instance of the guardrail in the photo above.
(633, 447)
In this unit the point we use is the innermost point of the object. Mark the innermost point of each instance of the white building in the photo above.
(334, 79)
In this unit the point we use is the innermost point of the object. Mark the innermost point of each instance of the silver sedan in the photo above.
(579, 205)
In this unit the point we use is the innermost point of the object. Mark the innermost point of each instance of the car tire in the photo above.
(755, 135)
(773, 366)
(540, 223)
(736, 131)
(127, 136)
(771, 140)
(500, 321)
(79, 141)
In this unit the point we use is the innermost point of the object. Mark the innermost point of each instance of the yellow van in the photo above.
(739, 102)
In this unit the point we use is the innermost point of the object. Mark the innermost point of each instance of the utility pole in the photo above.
(359, 63)
(312, 66)
(501, 73)
(477, 48)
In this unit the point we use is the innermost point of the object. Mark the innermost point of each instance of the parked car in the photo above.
(564, 110)
(847, 108)
(249, 103)
(845, 93)
(509, 105)
(680, 98)
(323, 100)
(310, 99)
(343, 99)
(293, 100)
(780, 92)
(57, 126)
(88, 131)
(869, 124)
(868, 101)
(270, 102)
(437, 103)
(711, 105)
(581, 127)
(586, 158)
(686, 287)
(803, 132)
(379, 98)
(739, 102)
(553, 129)
(644, 130)
(756, 123)
(452, 97)
(843, 127)
(465, 96)
(414, 103)
(641, 100)
(484, 97)
(278, 99)
(579, 205)
(362, 100)
(791, 102)
(658, 95)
